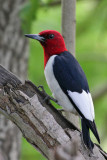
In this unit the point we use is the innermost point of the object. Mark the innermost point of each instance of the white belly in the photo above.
(57, 92)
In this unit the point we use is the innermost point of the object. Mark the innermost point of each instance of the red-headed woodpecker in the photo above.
(67, 81)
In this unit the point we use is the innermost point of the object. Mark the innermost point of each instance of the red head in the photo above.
(51, 41)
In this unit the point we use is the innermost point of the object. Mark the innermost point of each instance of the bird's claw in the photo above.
(60, 110)
(47, 97)
(42, 88)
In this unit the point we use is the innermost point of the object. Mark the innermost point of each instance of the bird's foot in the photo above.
(47, 97)
(60, 110)
(92, 155)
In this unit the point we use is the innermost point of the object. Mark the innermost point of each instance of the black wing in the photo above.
(69, 73)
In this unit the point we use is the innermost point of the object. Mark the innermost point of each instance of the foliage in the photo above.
(28, 14)
(29, 153)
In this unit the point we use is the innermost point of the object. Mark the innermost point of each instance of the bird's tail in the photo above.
(93, 128)
(86, 125)
(86, 135)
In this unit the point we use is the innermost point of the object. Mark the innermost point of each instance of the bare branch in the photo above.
(100, 92)
(40, 123)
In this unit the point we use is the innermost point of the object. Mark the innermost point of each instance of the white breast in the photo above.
(59, 95)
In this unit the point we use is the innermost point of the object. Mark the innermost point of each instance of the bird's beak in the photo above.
(35, 36)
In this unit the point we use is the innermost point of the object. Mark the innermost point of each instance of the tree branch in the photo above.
(100, 92)
(69, 24)
(40, 123)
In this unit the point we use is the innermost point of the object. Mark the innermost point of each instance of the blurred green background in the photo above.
(91, 52)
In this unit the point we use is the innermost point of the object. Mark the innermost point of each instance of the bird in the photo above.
(67, 82)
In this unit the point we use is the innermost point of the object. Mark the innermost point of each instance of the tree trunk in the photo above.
(14, 56)
(41, 124)
(69, 24)
(68, 32)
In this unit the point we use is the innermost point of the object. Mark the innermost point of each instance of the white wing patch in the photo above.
(84, 103)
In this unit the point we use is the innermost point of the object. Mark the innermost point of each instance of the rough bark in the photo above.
(13, 55)
(40, 123)
(68, 32)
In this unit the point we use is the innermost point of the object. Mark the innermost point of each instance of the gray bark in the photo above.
(40, 123)
(68, 32)
(69, 24)
(14, 56)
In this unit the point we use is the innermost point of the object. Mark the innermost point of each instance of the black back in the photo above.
(69, 73)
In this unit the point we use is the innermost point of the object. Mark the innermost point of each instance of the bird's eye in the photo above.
(51, 36)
